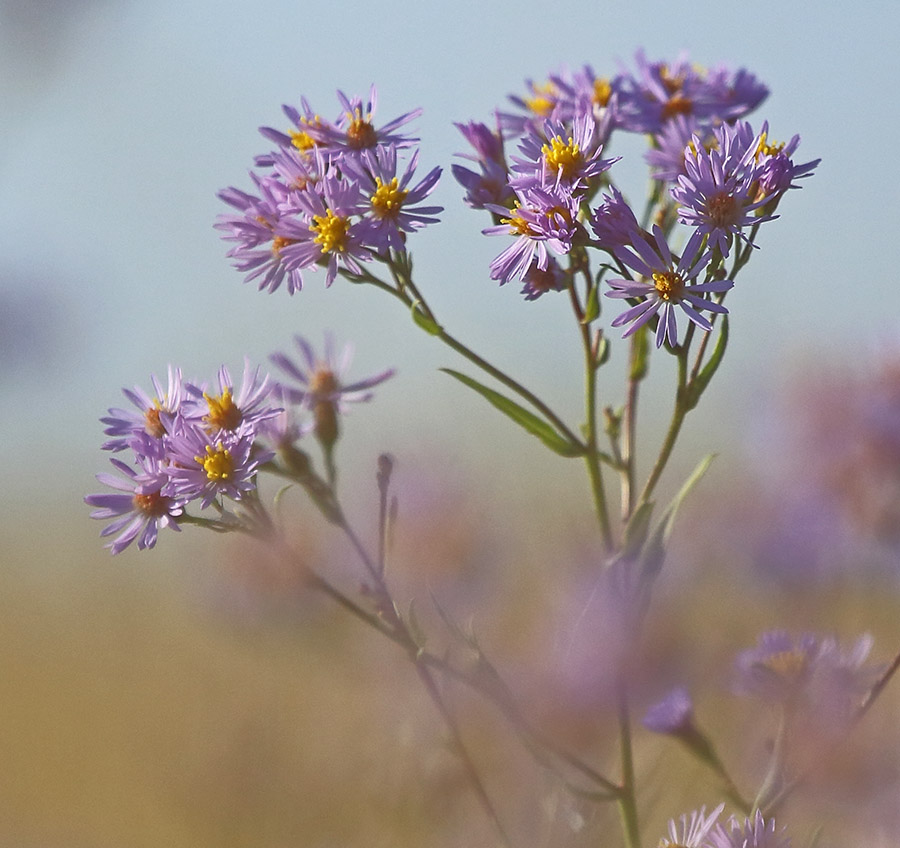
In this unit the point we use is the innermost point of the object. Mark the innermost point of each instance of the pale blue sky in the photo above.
(121, 120)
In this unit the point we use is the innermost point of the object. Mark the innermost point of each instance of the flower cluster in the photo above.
(335, 194)
(722, 178)
(704, 831)
(194, 443)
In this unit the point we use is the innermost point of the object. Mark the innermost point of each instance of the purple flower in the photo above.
(673, 715)
(229, 411)
(666, 285)
(309, 127)
(538, 282)
(206, 466)
(614, 223)
(553, 99)
(354, 131)
(321, 378)
(141, 510)
(776, 171)
(559, 157)
(717, 191)
(540, 218)
(693, 832)
(666, 157)
(491, 185)
(392, 202)
(124, 424)
(779, 668)
(325, 230)
(753, 832)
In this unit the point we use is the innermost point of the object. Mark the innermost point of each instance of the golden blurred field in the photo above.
(186, 697)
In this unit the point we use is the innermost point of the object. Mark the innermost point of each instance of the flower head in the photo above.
(755, 832)
(693, 831)
(673, 714)
(665, 286)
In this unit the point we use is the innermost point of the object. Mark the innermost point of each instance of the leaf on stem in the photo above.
(701, 381)
(655, 549)
(526, 420)
(592, 307)
(429, 325)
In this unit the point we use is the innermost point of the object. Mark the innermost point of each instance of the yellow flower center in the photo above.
(217, 463)
(602, 92)
(518, 226)
(323, 383)
(360, 133)
(331, 231)
(677, 104)
(788, 665)
(153, 503)
(279, 242)
(387, 199)
(223, 414)
(152, 424)
(302, 140)
(562, 156)
(766, 149)
(669, 285)
(544, 99)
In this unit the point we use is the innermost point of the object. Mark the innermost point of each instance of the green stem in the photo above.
(627, 798)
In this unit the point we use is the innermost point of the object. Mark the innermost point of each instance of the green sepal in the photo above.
(602, 351)
(526, 420)
(427, 324)
(655, 549)
(701, 381)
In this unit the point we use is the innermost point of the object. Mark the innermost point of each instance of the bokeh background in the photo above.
(178, 697)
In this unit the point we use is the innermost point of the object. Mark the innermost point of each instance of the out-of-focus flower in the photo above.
(755, 832)
(693, 831)
(140, 510)
(673, 715)
(666, 285)
(613, 222)
(537, 282)
(491, 185)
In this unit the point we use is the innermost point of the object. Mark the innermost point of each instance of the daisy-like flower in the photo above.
(308, 127)
(613, 222)
(125, 424)
(354, 131)
(139, 508)
(753, 832)
(673, 715)
(258, 249)
(776, 171)
(538, 282)
(540, 218)
(665, 286)
(206, 466)
(717, 191)
(321, 387)
(491, 185)
(392, 201)
(559, 157)
(326, 230)
(225, 410)
(553, 99)
(666, 156)
(693, 831)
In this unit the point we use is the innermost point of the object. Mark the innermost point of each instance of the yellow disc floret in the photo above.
(602, 92)
(387, 199)
(331, 231)
(764, 148)
(790, 666)
(223, 414)
(217, 463)
(152, 424)
(668, 285)
(360, 132)
(153, 503)
(544, 99)
(562, 157)
(518, 226)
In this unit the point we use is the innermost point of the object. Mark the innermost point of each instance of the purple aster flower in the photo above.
(694, 831)
(308, 127)
(257, 252)
(540, 218)
(491, 185)
(124, 424)
(207, 465)
(666, 156)
(324, 231)
(226, 410)
(553, 99)
(354, 130)
(392, 202)
(779, 668)
(753, 832)
(559, 158)
(614, 223)
(673, 715)
(776, 171)
(665, 286)
(538, 282)
(321, 387)
(717, 191)
(140, 510)
(599, 96)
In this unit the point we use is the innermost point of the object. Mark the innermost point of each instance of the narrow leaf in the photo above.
(701, 381)
(592, 307)
(526, 420)
(429, 326)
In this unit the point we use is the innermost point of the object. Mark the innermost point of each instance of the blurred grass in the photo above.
(174, 698)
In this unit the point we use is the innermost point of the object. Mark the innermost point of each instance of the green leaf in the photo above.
(640, 355)
(655, 549)
(701, 381)
(427, 324)
(526, 420)
(592, 307)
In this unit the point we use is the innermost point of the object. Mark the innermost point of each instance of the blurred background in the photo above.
(187, 697)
